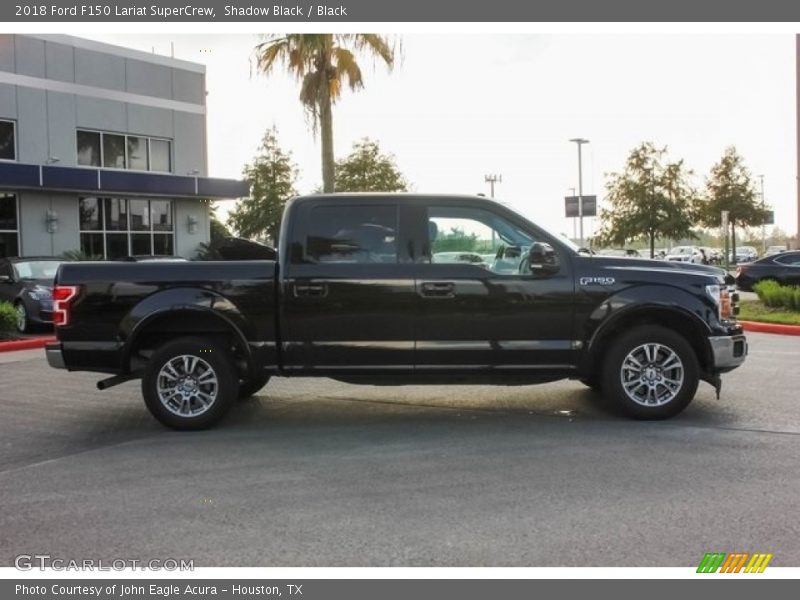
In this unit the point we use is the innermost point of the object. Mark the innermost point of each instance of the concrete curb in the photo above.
(759, 327)
(29, 344)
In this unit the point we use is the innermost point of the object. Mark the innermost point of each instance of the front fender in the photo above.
(649, 300)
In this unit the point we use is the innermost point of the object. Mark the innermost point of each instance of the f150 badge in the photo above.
(597, 280)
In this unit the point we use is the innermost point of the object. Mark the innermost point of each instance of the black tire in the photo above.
(668, 398)
(248, 387)
(200, 413)
(23, 322)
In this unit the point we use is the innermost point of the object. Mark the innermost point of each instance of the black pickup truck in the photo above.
(389, 289)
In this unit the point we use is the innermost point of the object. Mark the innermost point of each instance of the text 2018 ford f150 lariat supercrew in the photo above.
(372, 289)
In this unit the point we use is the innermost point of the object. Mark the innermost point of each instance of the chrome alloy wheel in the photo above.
(22, 318)
(187, 385)
(652, 374)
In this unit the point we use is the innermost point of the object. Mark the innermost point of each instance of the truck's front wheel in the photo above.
(189, 383)
(651, 373)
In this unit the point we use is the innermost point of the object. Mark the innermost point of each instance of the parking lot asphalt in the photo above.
(319, 473)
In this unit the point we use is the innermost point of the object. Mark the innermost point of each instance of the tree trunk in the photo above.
(733, 241)
(326, 135)
(652, 245)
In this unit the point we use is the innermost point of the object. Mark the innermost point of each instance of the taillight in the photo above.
(62, 295)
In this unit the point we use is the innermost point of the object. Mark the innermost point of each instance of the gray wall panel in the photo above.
(61, 129)
(7, 52)
(8, 101)
(31, 125)
(146, 120)
(29, 55)
(185, 242)
(67, 236)
(60, 62)
(190, 143)
(148, 79)
(188, 87)
(95, 113)
(33, 231)
(99, 70)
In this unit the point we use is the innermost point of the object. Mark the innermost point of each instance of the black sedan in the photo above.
(27, 283)
(783, 268)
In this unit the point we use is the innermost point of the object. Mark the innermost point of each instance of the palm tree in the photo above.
(322, 62)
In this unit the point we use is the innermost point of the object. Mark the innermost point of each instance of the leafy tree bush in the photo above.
(366, 169)
(651, 199)
(8, 319)
(775, 295)
(272, 176)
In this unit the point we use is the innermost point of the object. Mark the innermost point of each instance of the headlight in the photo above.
(722, 298)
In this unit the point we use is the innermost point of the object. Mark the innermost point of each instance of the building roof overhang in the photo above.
(89, 180)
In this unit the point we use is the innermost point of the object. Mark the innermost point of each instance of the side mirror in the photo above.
(543, 260)
(6, 279)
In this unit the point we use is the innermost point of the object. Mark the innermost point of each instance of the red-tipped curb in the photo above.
(770, 328)
(29, 344)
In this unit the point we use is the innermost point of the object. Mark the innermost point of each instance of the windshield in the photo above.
(37, 269)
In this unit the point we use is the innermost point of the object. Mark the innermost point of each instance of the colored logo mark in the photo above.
(736, 562)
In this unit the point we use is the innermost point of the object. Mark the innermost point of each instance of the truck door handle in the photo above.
(310, 290)
(438, 289)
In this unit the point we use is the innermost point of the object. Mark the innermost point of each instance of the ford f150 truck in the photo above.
(372, 289)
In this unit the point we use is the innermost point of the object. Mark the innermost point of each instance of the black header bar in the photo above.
(440, 11)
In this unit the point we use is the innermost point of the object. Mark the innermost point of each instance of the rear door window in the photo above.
(358, 234)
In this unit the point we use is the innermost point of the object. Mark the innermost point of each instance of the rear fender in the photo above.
(202, 303)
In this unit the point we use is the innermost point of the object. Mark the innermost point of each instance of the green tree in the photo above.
(218, 232)
(272, 177)
(367, 170)
(651, 199)
(455, 240)
(218, 229)
(323, 63)
(730, 187)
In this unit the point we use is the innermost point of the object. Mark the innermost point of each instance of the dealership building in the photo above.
(102, 149)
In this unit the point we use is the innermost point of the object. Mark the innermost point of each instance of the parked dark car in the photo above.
(356, 295)
(27, 283)
(783, 268)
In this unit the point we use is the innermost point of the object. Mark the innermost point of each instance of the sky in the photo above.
(458, 107)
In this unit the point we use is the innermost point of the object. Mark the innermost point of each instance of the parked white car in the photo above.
(689, 254)
(744, 254)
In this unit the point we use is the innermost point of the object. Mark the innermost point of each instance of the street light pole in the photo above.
(764, 224)
(491, 180)
(574, 220)
(580, 142)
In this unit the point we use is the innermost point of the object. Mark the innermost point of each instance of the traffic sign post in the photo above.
(572, 206)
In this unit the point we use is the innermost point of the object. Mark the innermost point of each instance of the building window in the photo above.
(8, 143)
(116, 227)
(118, 151)
(160, 153)
(114, 151)
(89, 148)
(9, 225)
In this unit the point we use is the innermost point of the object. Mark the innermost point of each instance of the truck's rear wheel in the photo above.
(249, 387)
(189, 383)
(650, 373)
